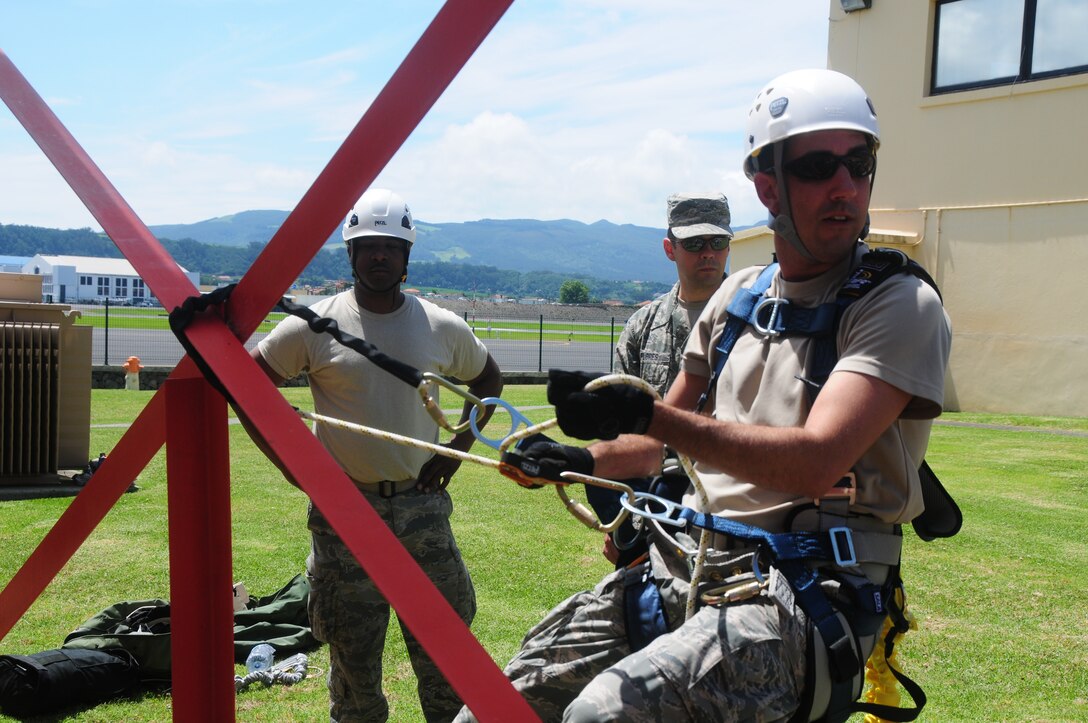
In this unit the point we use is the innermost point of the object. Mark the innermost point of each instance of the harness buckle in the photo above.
(768, 331)
(846, 488)
(842, 540)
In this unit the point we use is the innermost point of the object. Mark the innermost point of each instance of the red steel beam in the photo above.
(422, 76)
(82, 516)
(143, 250)
(132, 237)
(198, 499)
(445, 637)
(440, 53)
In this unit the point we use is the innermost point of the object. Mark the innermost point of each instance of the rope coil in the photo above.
(286, 672)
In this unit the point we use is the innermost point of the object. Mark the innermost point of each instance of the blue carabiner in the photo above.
(516, 420)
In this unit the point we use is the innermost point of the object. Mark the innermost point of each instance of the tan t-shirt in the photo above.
(345, 385)
(898, 333)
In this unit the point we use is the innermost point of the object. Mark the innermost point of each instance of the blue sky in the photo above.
(588, 109)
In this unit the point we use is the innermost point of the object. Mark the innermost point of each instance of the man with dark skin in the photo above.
(405, 485)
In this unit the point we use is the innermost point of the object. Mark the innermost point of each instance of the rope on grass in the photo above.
(286, 672)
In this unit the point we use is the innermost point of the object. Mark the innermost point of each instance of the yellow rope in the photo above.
(882, 687)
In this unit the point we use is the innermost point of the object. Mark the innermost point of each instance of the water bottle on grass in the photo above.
(260, 658)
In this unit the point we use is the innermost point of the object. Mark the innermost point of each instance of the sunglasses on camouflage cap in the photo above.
(822, 165)
(695, 244)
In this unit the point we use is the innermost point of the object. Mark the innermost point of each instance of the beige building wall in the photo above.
(988, 189)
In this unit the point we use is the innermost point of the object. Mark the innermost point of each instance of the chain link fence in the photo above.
(521, 337)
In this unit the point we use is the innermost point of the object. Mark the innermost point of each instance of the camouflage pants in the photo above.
(347, 611)
(742, 661)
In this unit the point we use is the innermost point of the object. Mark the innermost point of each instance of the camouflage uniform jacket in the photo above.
(652, 342)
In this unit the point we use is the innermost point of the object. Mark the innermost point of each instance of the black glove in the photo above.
(547, 459)
(602, 414)
(562, 384)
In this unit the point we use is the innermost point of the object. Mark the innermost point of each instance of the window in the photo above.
(981, 43)
(138, 288)
(120, 288)
(86, 281)
(103, 286)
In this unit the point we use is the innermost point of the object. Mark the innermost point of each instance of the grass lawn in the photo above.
(1001, 607)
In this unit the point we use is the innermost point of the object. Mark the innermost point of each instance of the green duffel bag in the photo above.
(142, 627)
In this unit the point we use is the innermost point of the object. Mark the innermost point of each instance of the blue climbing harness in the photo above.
(795, 554)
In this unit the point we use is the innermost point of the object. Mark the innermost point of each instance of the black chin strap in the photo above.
(782, 224)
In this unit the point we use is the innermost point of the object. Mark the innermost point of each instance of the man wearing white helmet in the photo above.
(405, 485)
(778, 630)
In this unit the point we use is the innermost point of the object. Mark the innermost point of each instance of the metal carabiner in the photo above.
(516, 420)
(431, 405)
(584, 514)
(769, 330)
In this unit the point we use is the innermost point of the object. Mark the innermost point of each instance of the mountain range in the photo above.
(603, 250)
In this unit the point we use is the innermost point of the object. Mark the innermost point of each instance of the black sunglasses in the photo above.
(822, 165)
(696, 243)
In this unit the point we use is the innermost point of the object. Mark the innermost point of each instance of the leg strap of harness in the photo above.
(900, 625)
(842, 661)
(789, 552)
(644, 613)
(792, 552)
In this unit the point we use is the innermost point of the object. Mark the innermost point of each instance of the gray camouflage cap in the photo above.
(698, 215)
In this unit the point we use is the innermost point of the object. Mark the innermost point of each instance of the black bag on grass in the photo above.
(54, 679)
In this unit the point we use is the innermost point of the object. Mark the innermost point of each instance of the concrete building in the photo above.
(13, 264)
(91, 280)
(981, 179)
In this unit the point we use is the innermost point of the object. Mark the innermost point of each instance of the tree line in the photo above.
(331, 265)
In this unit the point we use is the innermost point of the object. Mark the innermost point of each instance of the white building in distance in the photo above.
(93, 280)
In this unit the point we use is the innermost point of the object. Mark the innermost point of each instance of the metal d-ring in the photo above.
(516, 420)
(769, 330)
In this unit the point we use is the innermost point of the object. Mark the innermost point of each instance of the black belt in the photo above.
(387, 488)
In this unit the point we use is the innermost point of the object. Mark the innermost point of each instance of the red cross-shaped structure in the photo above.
(191, 418)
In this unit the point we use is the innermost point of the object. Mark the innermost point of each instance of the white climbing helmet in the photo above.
(803, 101)
(379, 212)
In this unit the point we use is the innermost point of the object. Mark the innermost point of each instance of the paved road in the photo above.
(160, 348)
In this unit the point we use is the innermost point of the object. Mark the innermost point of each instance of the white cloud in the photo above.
(590, 109)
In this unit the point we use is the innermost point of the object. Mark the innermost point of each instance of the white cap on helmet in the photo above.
(379, 212)
(803, 101)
